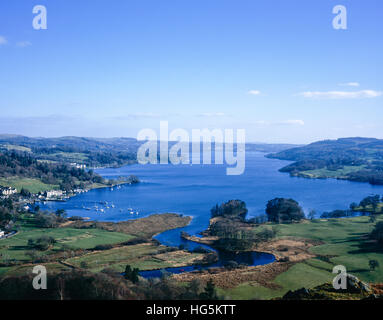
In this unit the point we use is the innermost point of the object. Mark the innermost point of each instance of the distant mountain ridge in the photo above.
(94, 152)
(118, 144)
(70, 141)
(320, 149)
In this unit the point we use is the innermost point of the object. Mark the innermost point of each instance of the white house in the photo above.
(78, 165)
(54, 194)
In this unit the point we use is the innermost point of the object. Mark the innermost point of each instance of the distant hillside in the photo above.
(269, 147)
(95, 152)
(89, 151)
(356, 159)
(79, 143)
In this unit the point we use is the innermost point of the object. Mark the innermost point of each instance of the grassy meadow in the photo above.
(30, 184)
(145, 256)
(325, 173)
(79, 247)
(16, 247)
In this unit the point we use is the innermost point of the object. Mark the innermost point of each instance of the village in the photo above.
(25, 202)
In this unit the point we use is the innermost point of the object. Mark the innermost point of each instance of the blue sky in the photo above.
(110, 68)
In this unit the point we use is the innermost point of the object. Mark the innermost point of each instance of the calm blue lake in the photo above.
(193, 189)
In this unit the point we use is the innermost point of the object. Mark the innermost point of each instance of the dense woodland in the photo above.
(89, 151)
(23, 165)
(105, 285)
(7, 213)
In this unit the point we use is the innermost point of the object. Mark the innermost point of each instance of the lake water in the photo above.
(193, 189)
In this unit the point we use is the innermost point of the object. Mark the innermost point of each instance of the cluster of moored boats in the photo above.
(102, 206)
(117, 187)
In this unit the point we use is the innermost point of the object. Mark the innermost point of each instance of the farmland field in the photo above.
(16, 247)
(32, 185)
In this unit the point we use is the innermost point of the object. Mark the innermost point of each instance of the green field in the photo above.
(146, 256)
(32, 185)
(345, 243)
(325, 173)
(117, 258)
(70, 156)
(27, 269)
(66, 252)
(36, 186)
(17, 246)
(11, 147)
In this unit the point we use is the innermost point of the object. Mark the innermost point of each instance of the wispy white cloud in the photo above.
(138, 115)
(3, 40)
(261, 123)
(363, 126)
(210, 115)
(254, 92)
(23, 44)
(291, 122)
(349, 84)
(295, 122)
(341, 94)
(37, 121)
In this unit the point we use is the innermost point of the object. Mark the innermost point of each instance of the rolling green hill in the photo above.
(356, 159)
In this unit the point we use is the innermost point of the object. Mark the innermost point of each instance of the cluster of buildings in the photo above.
(78, 165)
(7, 191)
(47, 195)
(54, 194)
